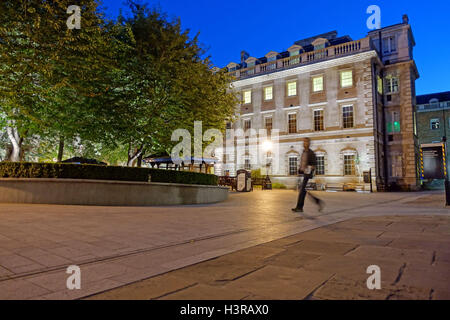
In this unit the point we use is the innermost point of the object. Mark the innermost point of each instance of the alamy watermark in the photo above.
(74, 21)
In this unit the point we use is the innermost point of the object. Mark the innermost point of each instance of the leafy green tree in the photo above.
(48, 72)
(163, 85)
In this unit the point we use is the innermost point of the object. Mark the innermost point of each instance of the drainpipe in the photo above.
(383, 118)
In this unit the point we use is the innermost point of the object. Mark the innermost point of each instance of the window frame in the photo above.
(244, 101)
(352, 165)
(438, 121)
(344, 126)
(288, 89)
(269, 131)
(321, 124)
(322, 165)
(341, 80)
(293, 171)
(313, 84)
(265, 93)
(290, 122)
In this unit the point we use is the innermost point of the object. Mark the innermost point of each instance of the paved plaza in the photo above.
(249, 247)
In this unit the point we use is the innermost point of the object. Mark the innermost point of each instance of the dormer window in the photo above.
(250, 64)
(273, 58)
(319, 46)
(320, 43)
(232, 69)
(294, 53)
(389, 45)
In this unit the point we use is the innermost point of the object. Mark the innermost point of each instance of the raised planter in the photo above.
(106, 193)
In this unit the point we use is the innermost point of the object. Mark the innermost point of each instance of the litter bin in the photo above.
(244, 181)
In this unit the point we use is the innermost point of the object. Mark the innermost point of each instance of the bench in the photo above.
(228, 182)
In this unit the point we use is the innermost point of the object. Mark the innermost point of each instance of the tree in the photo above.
(49, 73)
(163, 84)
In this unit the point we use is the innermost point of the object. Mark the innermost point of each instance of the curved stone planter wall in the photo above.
(106, 193)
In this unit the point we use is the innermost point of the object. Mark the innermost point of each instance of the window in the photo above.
(349, 164)
(347, 117)
(393, 122)
(379, 85)
(317, 84)
(268, 124)
(292, 88)
(250, 64)
(293, 166)
(319, 46)
(292, 122)
(247, 96)
(318, 120)
(268, 93)
(273, 58)
(294, 53)
(247, 165)
(247, 124)
(391, 84)
(435, 124)
(320, 165)
(346, 79)
(389, 45)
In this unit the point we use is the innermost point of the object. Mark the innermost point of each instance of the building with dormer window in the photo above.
(355, 100)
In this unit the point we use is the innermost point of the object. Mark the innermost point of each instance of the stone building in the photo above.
(433, 119)
(353, 98)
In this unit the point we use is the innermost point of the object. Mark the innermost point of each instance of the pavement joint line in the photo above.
(170, 245)
(311, 294)
(321, 223)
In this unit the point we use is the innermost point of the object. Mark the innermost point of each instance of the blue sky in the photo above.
(227, 27)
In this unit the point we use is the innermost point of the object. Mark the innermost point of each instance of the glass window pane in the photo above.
(318, 84)
(248, 96)
(292, 88)
(268, 93)
(346, 79)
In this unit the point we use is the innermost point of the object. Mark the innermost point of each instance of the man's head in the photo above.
(306, 143)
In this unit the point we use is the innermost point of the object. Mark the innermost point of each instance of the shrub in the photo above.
(277, 185)
(99, 172)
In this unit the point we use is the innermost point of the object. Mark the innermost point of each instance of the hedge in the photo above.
(99, 172)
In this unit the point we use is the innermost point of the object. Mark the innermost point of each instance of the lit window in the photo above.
(318, 120)
(320, 165)
(391, 84)
(292, 123)
(268, 124)
(293, 166)
(346, 79)
(317, 84)
(347, 116)
(268, 93)
(379, 85)
(435, 124)
(247, 96)
(292, 88)
(349, 165)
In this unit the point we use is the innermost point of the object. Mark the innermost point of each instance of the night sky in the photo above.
(227, 27)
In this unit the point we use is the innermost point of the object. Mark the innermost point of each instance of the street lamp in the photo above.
(267, 147)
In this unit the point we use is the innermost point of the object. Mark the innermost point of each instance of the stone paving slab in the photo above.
(133, 244)
(299, 267)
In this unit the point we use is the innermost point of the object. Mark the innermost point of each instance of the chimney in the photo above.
(244, 56)
(405, 19)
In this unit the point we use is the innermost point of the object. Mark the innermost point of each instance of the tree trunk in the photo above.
(61, 149)
(16, 143)
(139, 160)
(134, 154)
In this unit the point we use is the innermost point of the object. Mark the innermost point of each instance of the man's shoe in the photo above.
(297, 210)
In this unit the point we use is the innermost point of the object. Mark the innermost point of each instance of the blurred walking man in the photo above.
(307, 168)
